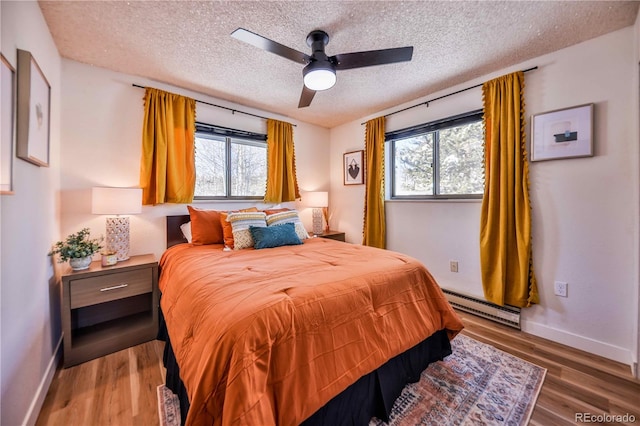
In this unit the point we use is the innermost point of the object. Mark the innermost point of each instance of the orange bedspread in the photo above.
(269, 336)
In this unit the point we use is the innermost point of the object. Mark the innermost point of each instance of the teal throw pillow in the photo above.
(274, 236)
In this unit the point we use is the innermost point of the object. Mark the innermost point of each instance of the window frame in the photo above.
(421, 129)
(230, 136)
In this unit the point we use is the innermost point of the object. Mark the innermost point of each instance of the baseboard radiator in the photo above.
(507, 315)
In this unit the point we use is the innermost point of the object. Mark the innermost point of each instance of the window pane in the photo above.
(461, 159)
(414, 165)
(210, 167)
(248, 169)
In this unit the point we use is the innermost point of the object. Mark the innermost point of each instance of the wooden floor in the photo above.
(120, 389)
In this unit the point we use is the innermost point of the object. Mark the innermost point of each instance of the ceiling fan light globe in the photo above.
(319, 78)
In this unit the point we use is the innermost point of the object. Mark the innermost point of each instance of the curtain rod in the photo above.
(233, 111)
(443, 96)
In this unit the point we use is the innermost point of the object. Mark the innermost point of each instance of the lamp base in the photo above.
(118, 236)
(317, 221)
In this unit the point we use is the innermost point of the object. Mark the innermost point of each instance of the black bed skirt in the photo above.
(371, 396)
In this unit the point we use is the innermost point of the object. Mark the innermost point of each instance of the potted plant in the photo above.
(78, 249)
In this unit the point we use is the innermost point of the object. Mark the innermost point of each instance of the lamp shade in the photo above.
(316, 199)
(116, 200)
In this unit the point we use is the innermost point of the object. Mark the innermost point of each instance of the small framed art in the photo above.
(563, 133)
(34, 96)
(8, 93)
(353, 165)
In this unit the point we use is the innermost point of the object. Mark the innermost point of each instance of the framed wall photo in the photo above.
(7, 115)
(564, 133)
(353, 165)
(34, 101)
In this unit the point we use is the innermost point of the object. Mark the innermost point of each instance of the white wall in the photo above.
(101, 145)
(585, 211)
(29, 294)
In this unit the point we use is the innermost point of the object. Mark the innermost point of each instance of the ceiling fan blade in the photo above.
(306, 97)
(369, 58)
(270, 46)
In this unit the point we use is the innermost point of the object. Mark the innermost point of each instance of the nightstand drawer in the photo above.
(104, 288)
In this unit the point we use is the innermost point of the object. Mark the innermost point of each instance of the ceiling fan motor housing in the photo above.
(317, 40)
(320, 72)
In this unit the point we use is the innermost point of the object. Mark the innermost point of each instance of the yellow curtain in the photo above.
(167, 167)
(282, 184)
(505, 224)
(374, 233)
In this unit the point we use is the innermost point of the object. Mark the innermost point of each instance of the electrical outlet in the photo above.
(453, 265)
(560, 288)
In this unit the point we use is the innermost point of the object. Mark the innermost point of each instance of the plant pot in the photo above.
(80, 263)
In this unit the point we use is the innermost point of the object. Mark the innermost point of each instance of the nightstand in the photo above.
(110, 308)
(333, 235)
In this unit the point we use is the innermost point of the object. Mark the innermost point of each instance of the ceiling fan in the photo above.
(320, 70)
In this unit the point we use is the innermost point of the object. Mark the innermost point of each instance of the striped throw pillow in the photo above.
(240, 223)
(290, 216)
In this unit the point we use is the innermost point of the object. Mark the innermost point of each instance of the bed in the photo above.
(323, 332)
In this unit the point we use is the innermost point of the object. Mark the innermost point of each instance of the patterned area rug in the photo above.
(476, 385)
(168, 407)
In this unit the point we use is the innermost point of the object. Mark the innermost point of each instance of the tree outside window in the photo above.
(439, 160)
(228, 167)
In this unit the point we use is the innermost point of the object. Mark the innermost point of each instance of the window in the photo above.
(229, 163)
(442, 159)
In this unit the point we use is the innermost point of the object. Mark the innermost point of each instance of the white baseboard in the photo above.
(606, 350)
(38, 399)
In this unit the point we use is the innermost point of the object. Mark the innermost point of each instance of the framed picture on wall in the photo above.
(563, 133)
(8, 95)
(34, 97)
(353, 165)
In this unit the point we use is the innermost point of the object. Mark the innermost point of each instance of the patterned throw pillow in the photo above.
(290, 216)
(227, 231)
(240, 223)
(274, 236)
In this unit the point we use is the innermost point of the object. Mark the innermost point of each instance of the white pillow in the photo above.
(186, 231)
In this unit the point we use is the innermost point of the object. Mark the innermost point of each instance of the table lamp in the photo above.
(318, 200)
(117, 201)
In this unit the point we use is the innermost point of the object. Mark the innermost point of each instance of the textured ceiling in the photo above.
(188, 44)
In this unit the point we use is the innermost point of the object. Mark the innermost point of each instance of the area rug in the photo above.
(168, 407)
(476, 385)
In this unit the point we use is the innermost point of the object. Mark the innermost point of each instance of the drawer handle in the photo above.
(115, 287)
